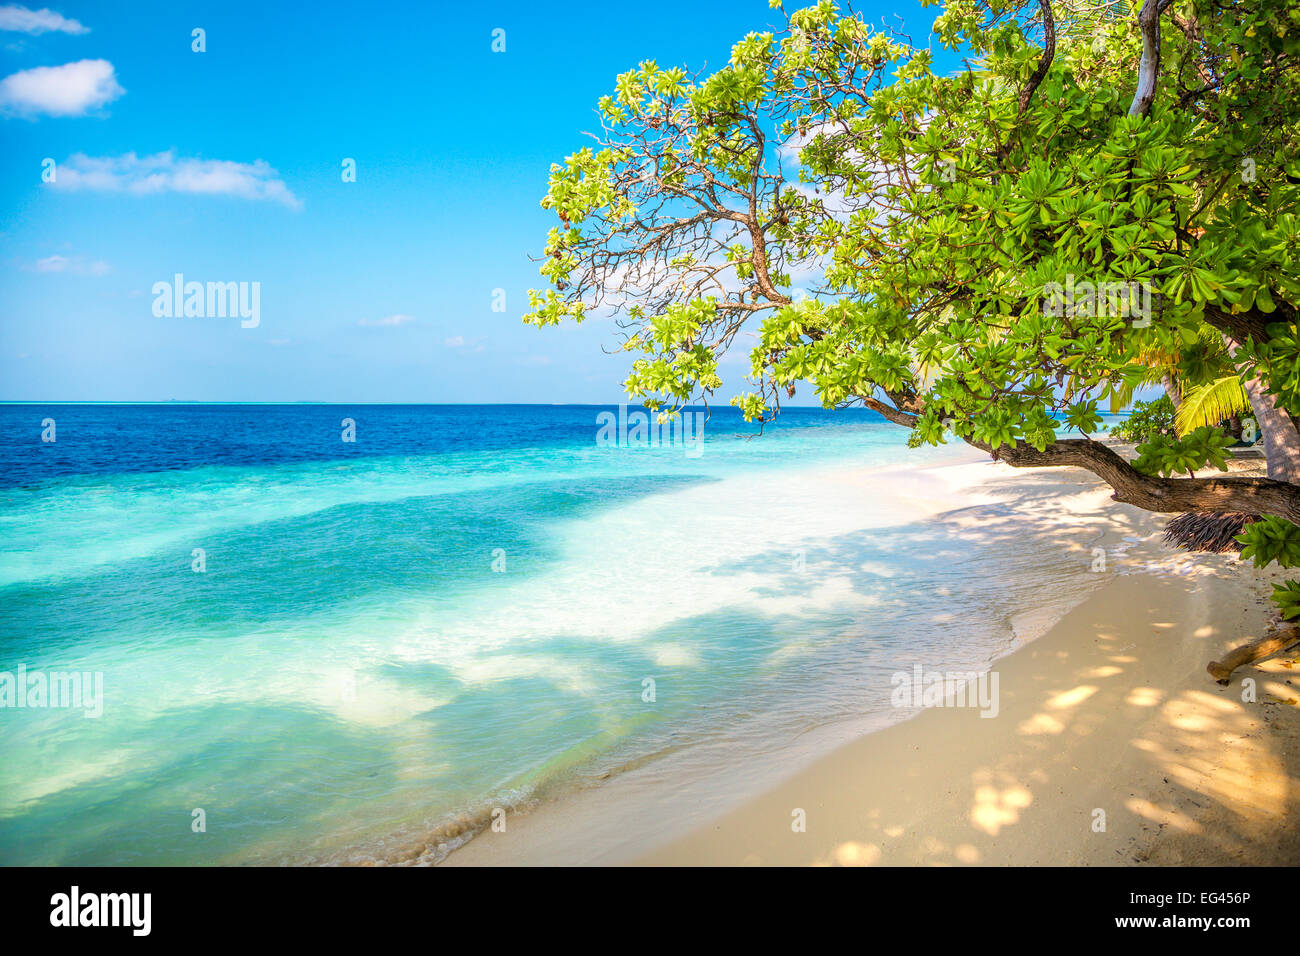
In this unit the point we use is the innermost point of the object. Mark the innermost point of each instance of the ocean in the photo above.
(320, 650)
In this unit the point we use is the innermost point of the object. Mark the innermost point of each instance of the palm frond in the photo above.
(1121, 396)
(1211, 403)
(1213, 531)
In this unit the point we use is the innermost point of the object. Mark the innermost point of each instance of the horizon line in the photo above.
(175, 401)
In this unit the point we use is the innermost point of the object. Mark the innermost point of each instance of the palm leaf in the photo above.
(1211, 403)
(1121, 396)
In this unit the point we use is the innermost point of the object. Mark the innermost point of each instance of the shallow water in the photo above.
(459, 611)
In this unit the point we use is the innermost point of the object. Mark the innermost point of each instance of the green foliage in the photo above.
(1211, 403)
(972, 256)
(1166, 455)
(1271, 539)
(1275, 539)
(938, 217)
(1287, 597)
(1148, 420)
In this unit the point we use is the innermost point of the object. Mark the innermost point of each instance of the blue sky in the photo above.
(378, 290)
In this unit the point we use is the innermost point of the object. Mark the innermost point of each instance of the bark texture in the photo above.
(1281, 440)
(1253, 496)
(1149, 65)
(1257, 650)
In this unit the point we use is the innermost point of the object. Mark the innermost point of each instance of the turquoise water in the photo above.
(457, 612)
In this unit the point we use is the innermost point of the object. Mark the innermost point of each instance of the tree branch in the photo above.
(1045, 61)
(1256, 650)
(1149, 66)
(1255, 496)
(906, 419)
(1248, 325)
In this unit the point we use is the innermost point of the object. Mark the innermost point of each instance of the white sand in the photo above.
(1108, 712)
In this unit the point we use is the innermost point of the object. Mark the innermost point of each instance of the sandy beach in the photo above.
(1111, 744)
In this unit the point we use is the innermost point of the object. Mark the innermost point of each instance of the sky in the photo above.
(227, 166)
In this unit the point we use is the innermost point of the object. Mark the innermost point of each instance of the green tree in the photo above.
(987, 254)
(1147, 420)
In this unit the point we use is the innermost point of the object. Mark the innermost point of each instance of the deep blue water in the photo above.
(116, 439)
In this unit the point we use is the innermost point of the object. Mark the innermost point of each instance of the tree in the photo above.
(1147, 420)
(986, 254)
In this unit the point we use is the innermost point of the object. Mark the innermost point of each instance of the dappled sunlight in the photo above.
(1209, 747)
(1044, 723)
(967, 854)
(855, 854)
(1144, 697)
(1212, 701)
(1194, 722)
(1040, 724)
(1279, 691)
(997, 804)
(1108, 748)
(1070, 698)
(1200, 759)
(1106, 670)
(1165, 816)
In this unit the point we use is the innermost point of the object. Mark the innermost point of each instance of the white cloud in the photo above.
(455, 342)
(22, 20)
(73, 89)
(165, 172)
(76, 265)
(398, 319)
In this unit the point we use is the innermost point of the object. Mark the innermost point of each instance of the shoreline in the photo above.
(1100, 714)
(1096, 713)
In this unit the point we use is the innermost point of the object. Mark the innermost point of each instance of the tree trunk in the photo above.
(1281, 440)
(1172, 390)
(1252, 496)
(1149, 65)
